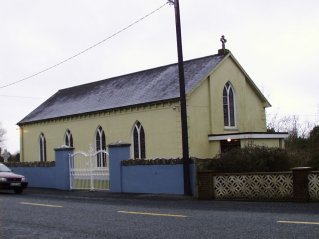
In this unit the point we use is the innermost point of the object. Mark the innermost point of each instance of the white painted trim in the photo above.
(231, 87)
(247, 136)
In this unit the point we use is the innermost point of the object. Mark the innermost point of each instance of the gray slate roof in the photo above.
(153, 85)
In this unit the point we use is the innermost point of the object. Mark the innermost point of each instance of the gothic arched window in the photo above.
(229, 105)
(43, 148)
(138, 141)
(68, 138)
(100, 145)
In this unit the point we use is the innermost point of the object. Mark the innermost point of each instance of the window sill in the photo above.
(226, 128)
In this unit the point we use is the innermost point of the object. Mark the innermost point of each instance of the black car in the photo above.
(11, 181)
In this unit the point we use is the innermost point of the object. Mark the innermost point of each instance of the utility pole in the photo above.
(186, 159)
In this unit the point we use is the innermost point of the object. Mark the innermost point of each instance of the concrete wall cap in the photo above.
(119, 143)
(302, 169)
(64, 148)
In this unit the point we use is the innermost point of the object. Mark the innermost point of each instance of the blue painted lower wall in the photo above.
(57, 176)
(38, 177)
(166, 179)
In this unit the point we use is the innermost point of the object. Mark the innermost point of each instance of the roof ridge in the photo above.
(141, 87)
(136, 72)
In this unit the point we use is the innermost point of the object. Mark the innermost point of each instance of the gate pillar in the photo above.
(62, 168)
(300, 183)
(117, 152)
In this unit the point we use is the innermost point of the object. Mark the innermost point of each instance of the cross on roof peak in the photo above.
(223, 40)
(223, 50)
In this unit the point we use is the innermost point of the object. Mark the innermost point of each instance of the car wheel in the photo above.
(18, 190)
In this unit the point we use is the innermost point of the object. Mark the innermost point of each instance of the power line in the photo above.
(85, 50)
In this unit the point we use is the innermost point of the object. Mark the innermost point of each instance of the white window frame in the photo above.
(100, 157)
(230, 87)
(42, 146)
(68, 136)
(139, 146)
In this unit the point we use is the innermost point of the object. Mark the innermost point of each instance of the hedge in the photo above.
(249, 159)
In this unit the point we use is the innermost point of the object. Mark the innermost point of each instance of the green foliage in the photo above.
(249, 159)
(314, 135)
(299, 152)
(14, 158)
(304, 151)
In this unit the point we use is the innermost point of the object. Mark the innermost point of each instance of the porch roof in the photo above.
(248, 135)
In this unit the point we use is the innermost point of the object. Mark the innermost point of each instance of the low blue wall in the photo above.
(159, 178)
(57, 176)
(166, 179)
(154, 178)
(38, 177)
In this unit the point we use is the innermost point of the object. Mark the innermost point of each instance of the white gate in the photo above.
(89, 171)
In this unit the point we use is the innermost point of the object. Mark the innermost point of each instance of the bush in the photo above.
(249, 159)
(314, 162)
(304, 152)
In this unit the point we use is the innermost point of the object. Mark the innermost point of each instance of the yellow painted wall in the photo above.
(198, 106)
(162, 120)
(250, 109)
(205, 109)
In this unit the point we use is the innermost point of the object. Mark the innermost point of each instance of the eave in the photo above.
(172, 100)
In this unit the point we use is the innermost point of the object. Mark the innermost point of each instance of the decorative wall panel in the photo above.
(258, 186)
(313, 185)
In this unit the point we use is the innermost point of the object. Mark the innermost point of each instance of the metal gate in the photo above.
(89, 171)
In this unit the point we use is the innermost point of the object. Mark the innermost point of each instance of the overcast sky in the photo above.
(276, 42)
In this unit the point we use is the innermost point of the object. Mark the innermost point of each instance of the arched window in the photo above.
(43, 148)
(100, 145)
(138, 141)
(68, 138)
(229, 106)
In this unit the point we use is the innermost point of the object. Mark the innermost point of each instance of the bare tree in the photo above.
(2, 133)
(290, 124)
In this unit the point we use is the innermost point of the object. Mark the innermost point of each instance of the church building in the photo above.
(225, 109)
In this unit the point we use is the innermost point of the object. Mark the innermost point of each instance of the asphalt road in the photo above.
(37, 214)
